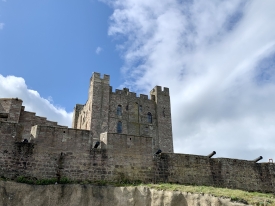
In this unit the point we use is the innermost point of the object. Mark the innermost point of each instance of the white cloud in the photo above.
(98, 50)
(2, 26)
(11, 87)
(211, 56)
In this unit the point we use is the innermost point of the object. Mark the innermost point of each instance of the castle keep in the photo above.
(115, 136)
(124, 113)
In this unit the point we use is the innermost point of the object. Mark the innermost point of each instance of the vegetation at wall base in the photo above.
(251, 198)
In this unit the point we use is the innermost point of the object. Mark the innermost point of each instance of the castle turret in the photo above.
(164, 139)
(99, 95)
(94, 114)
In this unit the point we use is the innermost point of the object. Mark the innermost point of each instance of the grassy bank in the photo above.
(251, 198)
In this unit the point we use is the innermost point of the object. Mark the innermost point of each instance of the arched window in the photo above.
(118, 110)
(119, 127)
(140, 108)
(149, 117)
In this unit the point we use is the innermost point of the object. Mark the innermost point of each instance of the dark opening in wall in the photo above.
(4, 115)
(119, 127)
(149, 117)
(118, 110)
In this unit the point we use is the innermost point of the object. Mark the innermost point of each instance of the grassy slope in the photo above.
(252, 198)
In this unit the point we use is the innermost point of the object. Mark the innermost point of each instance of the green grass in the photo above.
(252, 198)
(22, 179)
(63, 180)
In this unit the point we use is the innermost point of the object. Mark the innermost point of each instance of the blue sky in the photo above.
(52, 45)
(217, 58)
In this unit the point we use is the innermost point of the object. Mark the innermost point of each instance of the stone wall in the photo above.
(134, 114)
(29, 119)
(61, 152)
(164, 120)
(10, 109)
(100, 114)
(219, 172)
(129, 157)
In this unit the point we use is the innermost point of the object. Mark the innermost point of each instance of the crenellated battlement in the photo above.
(159, 91)
(96, 77)
(126, 92)
(143, 96)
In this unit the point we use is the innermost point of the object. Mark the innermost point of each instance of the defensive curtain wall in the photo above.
(54, 151)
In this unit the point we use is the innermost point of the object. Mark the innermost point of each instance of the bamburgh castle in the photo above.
(115, 136)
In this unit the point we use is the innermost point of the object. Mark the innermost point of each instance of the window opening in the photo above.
(149, 117)
(119, 127)
(118, 111)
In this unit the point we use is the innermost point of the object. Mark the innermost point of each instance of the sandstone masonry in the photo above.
(107, 111)
(129, 131)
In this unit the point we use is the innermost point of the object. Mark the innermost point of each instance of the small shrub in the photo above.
(2, 178)
(46, 181)
(64, 180)
(23, 179)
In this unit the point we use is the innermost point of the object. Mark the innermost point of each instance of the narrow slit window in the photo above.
(140, 108)
(118, 111)
(149, 117)
(119, 127)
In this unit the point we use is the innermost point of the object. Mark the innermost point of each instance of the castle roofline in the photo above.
(12, 99)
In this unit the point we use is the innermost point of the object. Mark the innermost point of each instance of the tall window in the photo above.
(140, 108)
(119, 127)
(118, 110)
(149, 117)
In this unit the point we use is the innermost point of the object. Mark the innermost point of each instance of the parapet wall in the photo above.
(60, 152)
(29, 119)
(219, 172)
(10, 109)
(57, 152)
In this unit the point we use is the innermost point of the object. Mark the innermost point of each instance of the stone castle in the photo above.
(115, 136)
(123, 112)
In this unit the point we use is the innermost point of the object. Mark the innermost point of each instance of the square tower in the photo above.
(122, 112)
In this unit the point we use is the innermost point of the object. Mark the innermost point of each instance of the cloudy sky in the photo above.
(217, 58)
